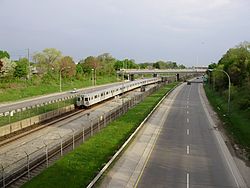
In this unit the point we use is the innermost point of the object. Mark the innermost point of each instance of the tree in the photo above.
(21, 69)
(236, 62)
(48, 59)
(4, 54)
(7, 68)
(67, 66)
(107, 63)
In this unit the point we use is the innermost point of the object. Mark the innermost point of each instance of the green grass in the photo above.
(79, 167)
(237, 123)
(4, 120)
(22, 89)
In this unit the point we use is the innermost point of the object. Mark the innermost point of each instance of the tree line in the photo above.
(50, 62)
(236, 62)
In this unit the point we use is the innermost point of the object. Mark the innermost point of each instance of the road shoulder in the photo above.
(243, 169)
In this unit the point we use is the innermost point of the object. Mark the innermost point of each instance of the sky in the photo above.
(189, 32)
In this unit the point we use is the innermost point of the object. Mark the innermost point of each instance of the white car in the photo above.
(74, 91)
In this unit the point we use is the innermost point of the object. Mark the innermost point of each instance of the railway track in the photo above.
(38, 164)
(38, 127)
(34, 166)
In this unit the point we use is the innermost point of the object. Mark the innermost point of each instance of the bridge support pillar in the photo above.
(177, 77)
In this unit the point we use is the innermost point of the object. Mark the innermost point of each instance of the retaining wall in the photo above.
(16, 126)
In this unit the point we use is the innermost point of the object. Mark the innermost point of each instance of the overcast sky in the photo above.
(190, 32)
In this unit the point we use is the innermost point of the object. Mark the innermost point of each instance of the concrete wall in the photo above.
(13, 127)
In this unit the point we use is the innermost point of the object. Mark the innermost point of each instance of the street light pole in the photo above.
(229, 87)
(61, 79)
(60, 74)
(95, 77)
(92, 76)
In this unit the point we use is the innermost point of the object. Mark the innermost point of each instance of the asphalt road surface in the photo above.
(178, 146)
(187, 153)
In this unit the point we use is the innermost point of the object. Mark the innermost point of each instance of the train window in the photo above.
(101, 94)
(79, 99)
(95, 96)
(86, 99)
(107, 92)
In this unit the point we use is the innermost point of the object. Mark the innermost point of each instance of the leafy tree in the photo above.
(212, 66)
(181, 66)
(107, 63)
(4, 54)
(48, 59)
(79, 71)
(67, 66)
(236, 62)
(126, 64)
(21, 69)
(7, 68)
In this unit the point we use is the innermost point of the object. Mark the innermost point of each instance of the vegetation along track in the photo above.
(36, 165)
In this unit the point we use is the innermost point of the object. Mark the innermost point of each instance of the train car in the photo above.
(91, 98)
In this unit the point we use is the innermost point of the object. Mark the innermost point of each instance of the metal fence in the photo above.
(34, 162)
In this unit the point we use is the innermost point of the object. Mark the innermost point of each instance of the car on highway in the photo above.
(73, 91)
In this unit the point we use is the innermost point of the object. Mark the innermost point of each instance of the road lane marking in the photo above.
(187, 180)
(187, 112)
(187, 131)
(187, 149)
(187, 106)
(155, 139)
(187, 120)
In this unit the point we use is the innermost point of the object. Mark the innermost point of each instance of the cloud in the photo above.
(140, 29)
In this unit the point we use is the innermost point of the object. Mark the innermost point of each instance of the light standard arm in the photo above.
(229, 87)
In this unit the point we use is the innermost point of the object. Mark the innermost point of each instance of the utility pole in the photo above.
(29, 73)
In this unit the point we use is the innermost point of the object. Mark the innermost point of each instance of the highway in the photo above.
(180, 147)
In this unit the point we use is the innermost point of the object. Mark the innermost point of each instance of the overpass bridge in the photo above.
(156, 72)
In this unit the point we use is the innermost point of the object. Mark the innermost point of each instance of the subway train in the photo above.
(91, 98)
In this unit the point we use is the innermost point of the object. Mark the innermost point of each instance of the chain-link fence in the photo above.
(34, 162)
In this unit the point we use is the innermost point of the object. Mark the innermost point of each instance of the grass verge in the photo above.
(21, 90)
(79, 167)
(18, 116)
(236, 124)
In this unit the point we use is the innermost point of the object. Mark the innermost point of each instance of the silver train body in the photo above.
(91, 98)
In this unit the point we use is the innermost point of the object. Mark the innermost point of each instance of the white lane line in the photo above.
(187, 120)
(187, 102)
(187, 106)
(187, 131)
(187, 112)
(187, 180)
(187, 149)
